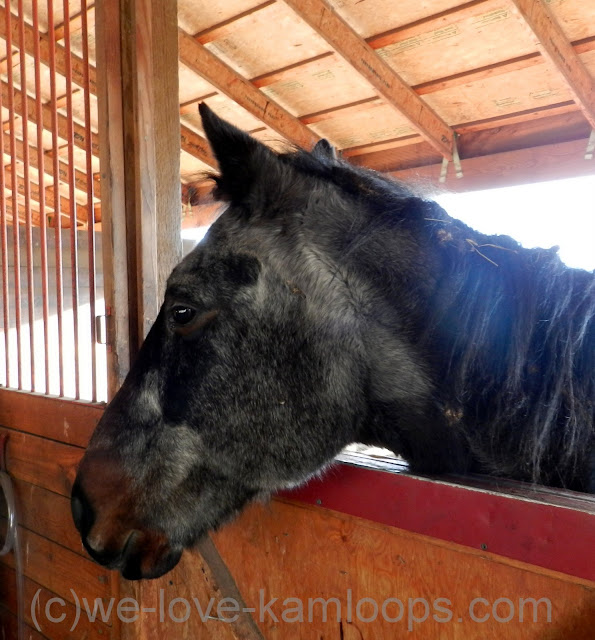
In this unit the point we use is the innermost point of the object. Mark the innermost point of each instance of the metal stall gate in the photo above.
(50, 220)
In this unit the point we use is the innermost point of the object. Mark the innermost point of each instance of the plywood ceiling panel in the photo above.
(475, 65)
(372, 17)
(461, 44)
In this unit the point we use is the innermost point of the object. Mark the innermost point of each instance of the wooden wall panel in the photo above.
(46, 463)
(63, 420)
(48, 514)
(46, 440)
(291, 551)
(290, 556)
(60, 570)
(86, 629)
(8, 627)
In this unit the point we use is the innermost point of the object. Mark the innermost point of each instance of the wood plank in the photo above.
(197, 145)
(323, 18)
(84, 628)
(44, 46)
(523, 526)
(59, 570)
(190, 579)
(113, 206)
(522, 166)
(151, 126)
(68, 421)
(229, 82)
(164, 124)
(554, 45)
(47, 514)
(9, 627)
(45, 463)
(288, 551)
(80, 137)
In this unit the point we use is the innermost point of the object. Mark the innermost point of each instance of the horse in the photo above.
(327, 305)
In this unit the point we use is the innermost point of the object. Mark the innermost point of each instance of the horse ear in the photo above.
(241, 157)
(324, 150)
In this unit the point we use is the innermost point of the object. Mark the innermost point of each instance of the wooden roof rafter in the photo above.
(74, 22)
(34, 195)
(555, 47)
(474, 8)
(200, 60)
(390, 86)
(77, 63)
(191, 142)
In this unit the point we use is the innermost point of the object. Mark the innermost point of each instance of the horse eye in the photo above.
(183, 315)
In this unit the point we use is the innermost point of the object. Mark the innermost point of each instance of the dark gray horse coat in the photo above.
(329, 305)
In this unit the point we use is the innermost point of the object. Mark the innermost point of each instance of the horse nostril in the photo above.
(76, 507)
(82, 513)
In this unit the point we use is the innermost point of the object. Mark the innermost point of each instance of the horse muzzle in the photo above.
(112, 538)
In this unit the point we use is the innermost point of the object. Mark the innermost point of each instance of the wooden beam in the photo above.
(118, 299)
(80, 137)
(75, 23)
(80, 177)
(152, 152)
(555, 47)
(197, 146)
(522, 166)
(44, 47)
(200, 60)
(354, 49)
(65, 205)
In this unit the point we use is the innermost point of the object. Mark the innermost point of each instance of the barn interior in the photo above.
(105, 162)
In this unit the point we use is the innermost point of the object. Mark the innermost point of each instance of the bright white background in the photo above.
(543, 214)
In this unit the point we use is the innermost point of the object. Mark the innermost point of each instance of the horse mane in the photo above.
(509, 331)
(515, 331)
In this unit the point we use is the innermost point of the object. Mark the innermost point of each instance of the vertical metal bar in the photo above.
(90, 203)
(41, 181)
(57, 199)
(4, 241)
(72, 197)
(14, 197)
(27, 191)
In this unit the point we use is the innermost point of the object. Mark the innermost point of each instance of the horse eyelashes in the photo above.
(192, 323)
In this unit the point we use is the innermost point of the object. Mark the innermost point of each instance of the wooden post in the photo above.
(137, 83)
(152, 148)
